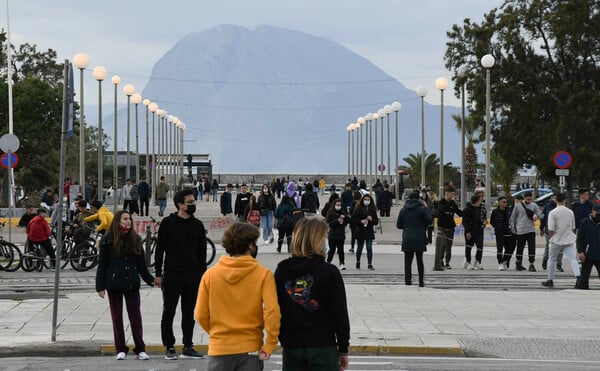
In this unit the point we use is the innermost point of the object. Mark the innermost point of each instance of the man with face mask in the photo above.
(588, 246)
(182, 244)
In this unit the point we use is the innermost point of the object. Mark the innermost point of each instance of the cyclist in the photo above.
(102, 214)
(38, 231)
(80, 232)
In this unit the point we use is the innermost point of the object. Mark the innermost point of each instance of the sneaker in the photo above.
(477, 266)
(170, 354)
(501, 267)
(438, 269)
(142, 356)
(544, 264)
(559, 268)
(505, 266)
(421, 284)
(351, 251)
(189, 352)
(370, 267)
(448, 266)
(121, 356)
(470, 267)
(548, 283)
(271, 240)
(342, 267)
(520, 267)
(532, 268)
(357, 265)
(466, 264)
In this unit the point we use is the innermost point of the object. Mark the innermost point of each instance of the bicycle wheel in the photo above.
(83, 257)
(10, 257)
(152, 249)
(30, 261)
(67, 246)
(211, 251)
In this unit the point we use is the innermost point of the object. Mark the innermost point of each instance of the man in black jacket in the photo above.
(144, 194)
(505, 241)
(473, 224)
(309, 202)
(182, 244)
(588, 246)
(241, 203)
(445, 232)
(225, 201)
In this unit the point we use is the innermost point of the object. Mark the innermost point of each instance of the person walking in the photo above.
(207, 188)
(237, 303)
(505, 241)
(180, 262)
(144, 193)
(121, 263)
(309, 202)
(522, 222)
(413, 219)
(588, 246)
(582, 207)
(445, 231)
(241, 203)
(200, 187)
(214, 188)
(385, 201)
(284, 221)
(347, 198)
(337, 219)
(315, 327)
(474, 225)
(267, 205)
(549, 206)
(134, 194)
(126, 194)
(162, 189)
(225, 202)
(364, 218)
(561, 224)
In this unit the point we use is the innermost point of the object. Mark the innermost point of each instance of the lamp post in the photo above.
(146, 103)
(359, 158)
(159, 144)
(388, 109)
(422, 92)
(396, 107)
(369, 142)
(99, 74)
(349, 129)
(81, 61)
(128, 90)
(170, 148)
(441, 84)
(182, 128)
(461, 73)
(153, 107)
(375, 162)
(381, 114)
(137, 99)
(487, 61)
(115, 80)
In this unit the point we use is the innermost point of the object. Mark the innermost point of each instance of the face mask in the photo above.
(326, 248)
(191, 209)
(254, 252)
(338, 208)
(265, 190)
(124, 228)
(366, 202)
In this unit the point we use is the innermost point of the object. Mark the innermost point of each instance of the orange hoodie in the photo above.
(237, 299)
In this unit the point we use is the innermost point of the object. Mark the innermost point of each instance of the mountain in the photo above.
(272, 100)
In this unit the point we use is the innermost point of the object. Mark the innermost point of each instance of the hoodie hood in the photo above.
(298, 265)
(412, 204)
(233, 269)
(291, 188)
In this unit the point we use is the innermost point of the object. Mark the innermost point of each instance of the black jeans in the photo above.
(475, 240)
(384, 212)
(287, 234)
(174, 286)
(586, 271)
(144, 201)
(408, 259)
(528, 238)
(336, 245)
(505, 246)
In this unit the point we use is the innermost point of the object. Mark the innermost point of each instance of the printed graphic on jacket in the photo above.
(299, 291)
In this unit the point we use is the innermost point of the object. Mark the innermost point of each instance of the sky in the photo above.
(405, 38)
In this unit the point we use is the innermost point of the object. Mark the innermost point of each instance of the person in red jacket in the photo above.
(38, 231)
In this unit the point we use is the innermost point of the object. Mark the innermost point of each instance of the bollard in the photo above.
(148, 245)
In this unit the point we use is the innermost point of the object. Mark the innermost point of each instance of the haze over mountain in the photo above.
(272, 100)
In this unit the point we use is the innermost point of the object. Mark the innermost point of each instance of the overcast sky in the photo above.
(405, 38)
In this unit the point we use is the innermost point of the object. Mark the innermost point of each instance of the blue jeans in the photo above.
(215, 193)
(200, 195)
(266, 222)
(369, 250)
(162, 205)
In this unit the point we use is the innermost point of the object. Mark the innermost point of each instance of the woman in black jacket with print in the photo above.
(120, 265)
(364, 219)
(337, 219)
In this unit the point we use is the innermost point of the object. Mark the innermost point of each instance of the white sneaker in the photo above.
(342, 268)
(143, 356)
(470, 267)
(477, 266)
(501, 267)
(505, 266)
(466, 264)
(121, 356)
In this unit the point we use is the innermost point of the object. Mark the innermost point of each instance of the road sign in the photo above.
(14, 160)
(381, 167)
(562, 159)
(9, 143)
(561, 172)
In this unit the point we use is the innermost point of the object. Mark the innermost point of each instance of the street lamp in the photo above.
(128, 90)
(381, 114)
(99, 74)
(170, 147)
(359, 158)
(441, 84)
(349, 129)
(81, 61)
(115, 80)
(388, 109)
(422, 92)
(375, 161)
(159, 141)
(396, 107)
(369, 139)
(487, 61)
(153, 107)
(136, 99)
(182, 127)
(146, 103)
(461, 73)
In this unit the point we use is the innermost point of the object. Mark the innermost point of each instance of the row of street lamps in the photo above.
(167, 155)
(356, 158)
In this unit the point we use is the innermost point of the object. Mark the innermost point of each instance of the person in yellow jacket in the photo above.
(101, 214)
(237, 301)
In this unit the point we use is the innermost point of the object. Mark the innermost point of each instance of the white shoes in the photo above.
(121, 356)
(477, 266)
(143, 356)
(342, 268)
(502, 266)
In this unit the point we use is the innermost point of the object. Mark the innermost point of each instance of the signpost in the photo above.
(9, 143)
(562, 160)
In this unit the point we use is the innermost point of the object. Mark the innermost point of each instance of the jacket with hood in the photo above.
(414, 218)
(309, 201)
(291, 191)
(312, 299)
(182, 244)
(104, 216)
(241, 204)
(499, 220)
(472, 219)
(237, 299)
(445, 213)
(38, 229)
(362, 232)
(337, 231)
(284, 209)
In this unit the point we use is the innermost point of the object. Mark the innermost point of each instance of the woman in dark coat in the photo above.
(364, 219)
(414, 218)
(337, 219)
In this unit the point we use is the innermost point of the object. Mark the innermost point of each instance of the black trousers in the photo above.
(133, 207)
(408, 259)
(384, 212)
(144, 201)
(185, 286)
(505, 246)
(333, 246)
(475, 240)
(528, 238)
(586, 271)
(287, 234)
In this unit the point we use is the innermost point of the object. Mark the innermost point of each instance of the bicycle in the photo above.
(211, 250)
(10, 255)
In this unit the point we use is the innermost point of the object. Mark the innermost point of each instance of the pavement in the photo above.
(457, 313)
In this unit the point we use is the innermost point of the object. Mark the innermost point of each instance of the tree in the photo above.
(432, 167)
(544, 85)
(472, 134)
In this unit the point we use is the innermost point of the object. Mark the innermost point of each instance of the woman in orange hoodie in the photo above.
(237, 301)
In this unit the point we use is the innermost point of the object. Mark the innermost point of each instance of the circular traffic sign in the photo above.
(381, 167)
(9, 143)
(14, 160)
(562, 159)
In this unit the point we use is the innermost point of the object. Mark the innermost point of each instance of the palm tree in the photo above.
(473, 136)
(503, 172)
(432, 166)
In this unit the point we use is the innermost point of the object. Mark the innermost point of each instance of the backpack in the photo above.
(134, 193)
(253, 217)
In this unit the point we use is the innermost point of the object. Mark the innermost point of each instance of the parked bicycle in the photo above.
(211, 250)
(10, 255)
